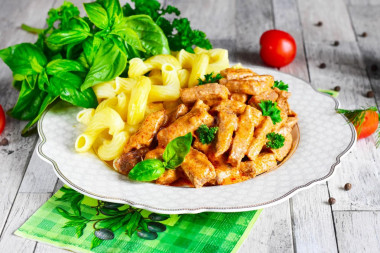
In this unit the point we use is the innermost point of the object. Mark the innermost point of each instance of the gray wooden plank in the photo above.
(333, 15)
(215, 17)
(313, 226)
(14, 157)
(45, 248)
(358, 231)
(39, 176)
(367, 20)
(252, 19)
(24, 206)
(271, 231)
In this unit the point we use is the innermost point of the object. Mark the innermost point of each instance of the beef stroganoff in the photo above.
(190, 119)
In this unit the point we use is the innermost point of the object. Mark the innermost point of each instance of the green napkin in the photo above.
(76, 222)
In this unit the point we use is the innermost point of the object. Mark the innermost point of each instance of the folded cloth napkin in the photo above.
(76, 222)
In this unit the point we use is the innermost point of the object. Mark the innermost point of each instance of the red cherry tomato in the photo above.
(278, 48)
(370, 124)
(2, 119)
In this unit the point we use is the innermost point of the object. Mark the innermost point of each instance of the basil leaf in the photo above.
(45, 103)
(90, 47)
(109, 63)
(79, 24)
(63, 37)
(28, 102)
(147, 170)
(152, 37)
(97, 14)
(63, 65)
(43, 81)
(24, 59)
(176, 151)
(66, 85)
(113, 8)
(128, 35)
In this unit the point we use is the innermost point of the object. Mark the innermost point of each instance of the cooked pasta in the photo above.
(199, 69)
(105, 90)
(170, 89)
(85, 116)
(111, 149)
(138, 100)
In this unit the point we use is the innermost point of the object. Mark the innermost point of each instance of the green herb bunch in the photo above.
(280, 85)
(206, 134)
(73, 53)
(275, 140)
(179, 32)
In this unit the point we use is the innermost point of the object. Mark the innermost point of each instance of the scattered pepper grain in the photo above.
(364, 34)
(4, 142)
(337, 88)
(374, 67)
(332, 201)
(336, 43)
(347, 186)
(319, 23)
(370, 94)
(322, 65)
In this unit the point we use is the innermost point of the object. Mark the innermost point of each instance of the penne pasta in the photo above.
(105, 90)
(138, 100)
(183, 76)
(185, 59)
(199, 69)
(85, 116)
(111, 149)
(170, 90)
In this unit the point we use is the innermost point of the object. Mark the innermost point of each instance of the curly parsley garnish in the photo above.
(275, 140)
(270, 108)
(280, 85)
(206, 135)
(179, 32)
(210, 79)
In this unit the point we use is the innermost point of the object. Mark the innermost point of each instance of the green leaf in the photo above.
(114, 12)
(60, 38)
(152, 37)
(79, 229)
(97, 14)
(64, 13)
(62, 65)
(275, 140)
(24, 59)
(79, 24)
(75, 204)
(128, 35)
(280, 85)
(67, 215)
(209, 78)
(45, 103)
(147, 170)
(176, 151)
(270, 108)
(95, 242)
(28, 102)
(133, 223)
(90, 47)
(109, 63)
(144, 225)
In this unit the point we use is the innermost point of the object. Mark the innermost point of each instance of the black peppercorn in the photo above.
(332, 201)
(347, 186)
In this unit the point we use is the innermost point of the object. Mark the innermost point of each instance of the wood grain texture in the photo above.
(312, 221)
(45, 248)
(24, 206)
(358, 231)
(271, 232)
(14, 157)
(39, 176)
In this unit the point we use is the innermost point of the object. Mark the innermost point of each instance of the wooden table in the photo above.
(306, 222)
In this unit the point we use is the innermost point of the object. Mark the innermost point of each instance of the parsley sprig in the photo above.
(179, 32)
(205, 134)
(356, 117)
(270, 108)
(210, 79)
(280, 85)
(275, 140)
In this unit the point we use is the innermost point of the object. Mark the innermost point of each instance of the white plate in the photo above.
(325, 137)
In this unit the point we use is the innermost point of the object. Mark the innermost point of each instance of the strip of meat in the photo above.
(282, 103)
(260, 138)
(210, 93)
(181, 110)
(228, 123)
(227, 174)
(230, 106)
(291, 122)
(263, 163)
(198, 168)
(266, 95)
(187, 123)
(241, 97)
(282, 152)
(127, 161)
(236, 73)
(244, 135)
(168, 177)
(253, 85)
(144, 136)
(155, 154)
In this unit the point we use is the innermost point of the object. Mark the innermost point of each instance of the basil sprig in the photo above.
(174, 154)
